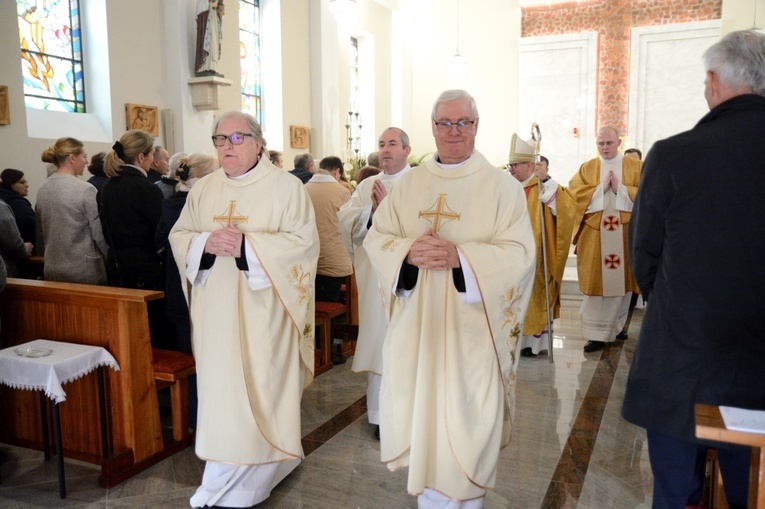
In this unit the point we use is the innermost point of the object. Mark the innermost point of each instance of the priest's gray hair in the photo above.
(255, 129)
(738, 60)
(402, 136)
(453, 95)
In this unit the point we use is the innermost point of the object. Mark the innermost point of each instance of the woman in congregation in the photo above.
(13, 191)
(96, 169)
(67, 212)
(130, 208)
(191, 168)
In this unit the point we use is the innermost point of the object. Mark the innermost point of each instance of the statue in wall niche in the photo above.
(209, 35)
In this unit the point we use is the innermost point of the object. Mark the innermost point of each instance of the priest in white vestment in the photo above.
(604, 189)
(454, 252)
(247, 244)
(356, 217)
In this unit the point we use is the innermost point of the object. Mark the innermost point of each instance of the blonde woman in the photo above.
(130, 210)
(67, 213)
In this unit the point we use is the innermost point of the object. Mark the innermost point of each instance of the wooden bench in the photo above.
(173, 369)
(113, 318)
(349, 330)
(324, 313)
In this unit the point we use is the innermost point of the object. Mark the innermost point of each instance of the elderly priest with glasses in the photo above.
(247, 244)
(454, 253)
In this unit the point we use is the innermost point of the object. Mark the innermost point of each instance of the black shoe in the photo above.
(377, 432)
(594, 346)
(338, 359)
(526, 352)
(622, 335)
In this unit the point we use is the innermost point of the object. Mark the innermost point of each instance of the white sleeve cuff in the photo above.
(623, 200)
(596, 203)
(193, 259)
(257, 278)
(360, 229)
(471, 294)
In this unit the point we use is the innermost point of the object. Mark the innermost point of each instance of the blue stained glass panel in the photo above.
(51, 54)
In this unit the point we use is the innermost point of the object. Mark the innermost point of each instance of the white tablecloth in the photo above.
(68, 362)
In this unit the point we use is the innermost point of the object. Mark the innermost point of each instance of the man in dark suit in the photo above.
(697, 239)
(304, 167)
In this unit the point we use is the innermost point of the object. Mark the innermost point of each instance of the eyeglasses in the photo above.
(445, 126)
(236, 138)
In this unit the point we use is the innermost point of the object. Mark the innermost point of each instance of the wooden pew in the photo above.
(113, 318)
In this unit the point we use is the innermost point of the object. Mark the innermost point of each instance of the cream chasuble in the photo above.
(252, 347)
(447, 394)
(373, 320)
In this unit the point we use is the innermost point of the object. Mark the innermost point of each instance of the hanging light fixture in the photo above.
(458, 62)
(342, 8)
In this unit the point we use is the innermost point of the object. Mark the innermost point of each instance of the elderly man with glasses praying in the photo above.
(247, 245)
(454, 253)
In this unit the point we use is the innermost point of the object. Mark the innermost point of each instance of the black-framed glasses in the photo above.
(445, 126)
(236, 138)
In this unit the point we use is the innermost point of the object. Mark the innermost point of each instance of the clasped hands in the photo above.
(431, 252)
(378, 193)
(224, 242)
(611, 182)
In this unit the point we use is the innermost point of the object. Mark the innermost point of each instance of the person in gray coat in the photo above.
(13, 249)
(68, 214)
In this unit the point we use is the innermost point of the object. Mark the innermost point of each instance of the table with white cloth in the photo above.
(45, 366)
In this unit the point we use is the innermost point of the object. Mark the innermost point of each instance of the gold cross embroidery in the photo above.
(228, 217)
(437, 213)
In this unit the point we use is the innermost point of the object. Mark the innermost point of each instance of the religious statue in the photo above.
(209, 35)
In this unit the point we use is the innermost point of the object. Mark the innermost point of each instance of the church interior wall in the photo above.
(150, 58)
(613, 21)
(488, 39)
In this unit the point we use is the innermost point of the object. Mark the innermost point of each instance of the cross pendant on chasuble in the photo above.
(439, 211)
(229, 216)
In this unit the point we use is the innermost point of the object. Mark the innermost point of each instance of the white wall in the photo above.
(488, 38)
(557, 90)
(667, 80)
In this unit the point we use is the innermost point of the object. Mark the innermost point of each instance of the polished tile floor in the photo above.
(569, 448)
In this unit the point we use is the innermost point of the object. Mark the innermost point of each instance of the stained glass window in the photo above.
(249, 52)
(51, 54)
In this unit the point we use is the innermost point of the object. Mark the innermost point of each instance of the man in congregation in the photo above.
(696, 240)
(355, 220)
(304, 167)
(558, 208)
(604, 189)
(158, 168)
(454, 253)
(247, 245)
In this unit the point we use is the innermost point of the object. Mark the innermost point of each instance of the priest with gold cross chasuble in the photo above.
(247, 244)
(454, 253)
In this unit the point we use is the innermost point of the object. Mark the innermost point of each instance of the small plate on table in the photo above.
(32, 351)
